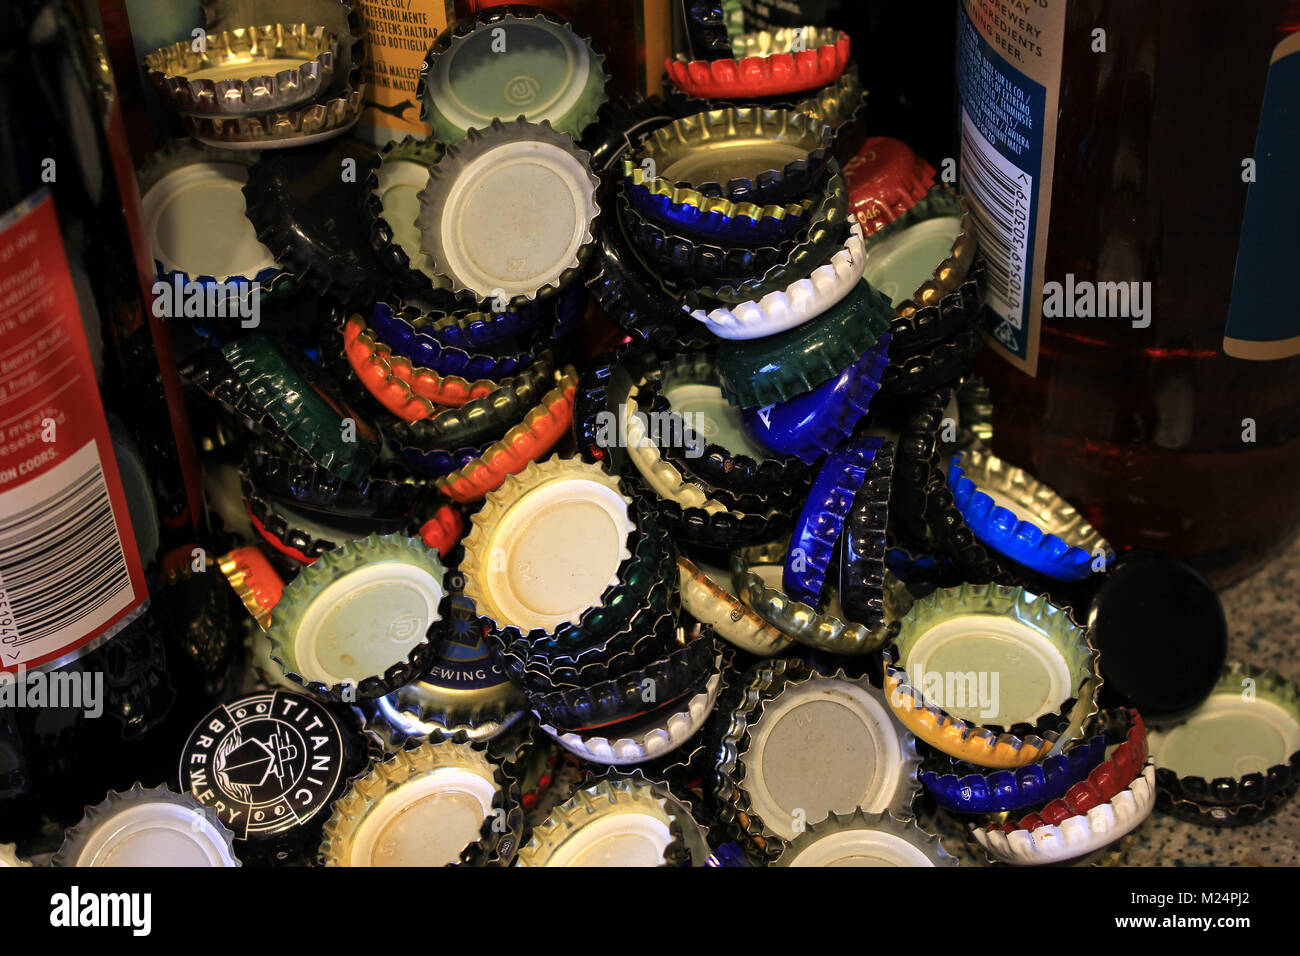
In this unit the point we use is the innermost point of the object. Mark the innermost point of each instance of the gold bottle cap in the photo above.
(140, 827)
(972, 661)
(356, 622)
(706, 598)
(865, 839)
(420, 807)
(756, 574)
(546, 545)
(259, 69)
(616, 822)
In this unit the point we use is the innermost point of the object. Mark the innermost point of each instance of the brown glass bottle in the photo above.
(112, 643)
(1161, 438)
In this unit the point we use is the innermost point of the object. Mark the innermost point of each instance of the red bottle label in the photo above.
(70, 571)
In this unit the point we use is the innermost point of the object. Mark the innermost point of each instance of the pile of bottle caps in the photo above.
(713, 568)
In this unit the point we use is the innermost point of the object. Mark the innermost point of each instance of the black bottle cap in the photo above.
(1160, 630)
(270, 764)
(308, 205)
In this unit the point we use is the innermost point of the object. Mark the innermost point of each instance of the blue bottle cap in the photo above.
(818, 528)
(809, 425)
(1023, 519)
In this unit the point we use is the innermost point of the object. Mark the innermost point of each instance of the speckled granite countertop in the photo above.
(1263, 615)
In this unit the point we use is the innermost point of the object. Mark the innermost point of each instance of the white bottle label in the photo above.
(1008, 79)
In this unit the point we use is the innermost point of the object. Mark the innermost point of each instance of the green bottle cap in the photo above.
(511, 62)
(779, 367)
(302, 402)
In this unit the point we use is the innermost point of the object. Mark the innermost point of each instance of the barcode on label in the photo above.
(63, 573)
(999, 195)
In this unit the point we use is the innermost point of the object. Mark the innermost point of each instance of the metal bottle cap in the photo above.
(355, 623)
(255, 581)
(639, 741)
(500, 63)
(629, 294)
(1104, 782)
(140, 827)
(313, 216)
(1239, 747)
(886, 179)
(194, 212)
(712, 217)
(829, 231)
(745, 155)
(258, 69)
(864, 582)
(299, 127)
(409, 391)
(810, 425)
(707, 598)
(547, 544)
(865, 839)
(509, 211)
(1076, 835)
(898, 263)
(683, 261)
(428, 806)
(682, 800)
(412, 336)
(393, 203)
(715, 439)
(664, 477)
(1022, 518)
(619, 127)
(756, 574)
(463, 690)
(799, 302)
(388, 493)
(652, 705)
(479, 421)
(269, 764)
(543, 426)
(615, 822)
(766, 63)
(1041, 661)
(818, 528)
(1152, 611)
(801, 745)
(779, 367)
(304, 405)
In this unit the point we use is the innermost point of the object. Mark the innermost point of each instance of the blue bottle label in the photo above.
(1263, 321)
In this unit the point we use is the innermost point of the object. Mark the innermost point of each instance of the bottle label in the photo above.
(70, 572)
(397, 38)
(1263, 322)
(1008, 79)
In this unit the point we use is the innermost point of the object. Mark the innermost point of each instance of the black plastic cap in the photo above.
(1160, 630)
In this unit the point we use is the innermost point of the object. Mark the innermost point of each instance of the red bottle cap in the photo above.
(254, 580)
(528, 441)
(773, 72)
(885, 179)
(444, 530)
